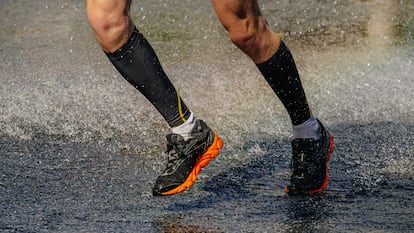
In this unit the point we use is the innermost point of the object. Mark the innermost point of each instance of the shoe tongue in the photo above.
(174, 138)
(303, 143)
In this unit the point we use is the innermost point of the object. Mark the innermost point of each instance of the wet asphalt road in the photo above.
(80, 149)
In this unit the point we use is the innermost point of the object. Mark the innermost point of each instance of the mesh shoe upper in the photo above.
(309, 164)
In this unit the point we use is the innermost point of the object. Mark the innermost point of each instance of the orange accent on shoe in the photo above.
(202, 161)
(325, 182)
(328, 157)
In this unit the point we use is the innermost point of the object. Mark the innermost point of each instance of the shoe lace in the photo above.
(302, 163)
(299, 165)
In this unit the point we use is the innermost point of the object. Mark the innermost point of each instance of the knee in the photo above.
(242, 35)
(245, 34)
(110, 24)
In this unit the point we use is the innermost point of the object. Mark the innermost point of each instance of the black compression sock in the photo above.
(139, 65)
(281, 74)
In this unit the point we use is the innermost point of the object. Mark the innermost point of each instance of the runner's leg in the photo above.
(313, 144)
(134, 58)
(193, 144)
(248, 30)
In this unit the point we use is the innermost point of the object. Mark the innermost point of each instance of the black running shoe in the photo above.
(310, 164)
(186, 158)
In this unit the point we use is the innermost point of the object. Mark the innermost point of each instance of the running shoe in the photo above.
(186, 158)
(310, 164)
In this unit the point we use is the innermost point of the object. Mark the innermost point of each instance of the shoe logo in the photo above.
(192, 149)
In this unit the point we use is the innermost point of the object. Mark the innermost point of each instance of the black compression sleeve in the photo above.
(281, 74)
(137, 62)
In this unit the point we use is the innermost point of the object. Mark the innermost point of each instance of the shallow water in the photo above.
(80, 148)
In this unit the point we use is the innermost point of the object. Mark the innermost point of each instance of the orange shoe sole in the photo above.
(325, 182)
(202, 161)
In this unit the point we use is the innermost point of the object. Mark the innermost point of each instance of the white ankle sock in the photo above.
(185, 128)
(308, 129)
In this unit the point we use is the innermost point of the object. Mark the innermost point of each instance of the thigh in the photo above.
(110, 21)
(108, 7)
(230, 12)
(247, 28)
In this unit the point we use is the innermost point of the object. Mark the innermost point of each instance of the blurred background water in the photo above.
(80, 148)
